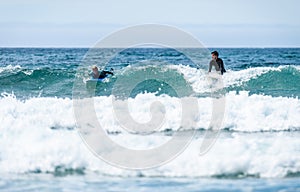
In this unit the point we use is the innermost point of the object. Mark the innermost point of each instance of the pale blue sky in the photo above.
(216, 23)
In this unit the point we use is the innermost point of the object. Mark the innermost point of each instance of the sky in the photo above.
(215, 23)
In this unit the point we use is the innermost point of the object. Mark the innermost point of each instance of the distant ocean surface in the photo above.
(258, 148)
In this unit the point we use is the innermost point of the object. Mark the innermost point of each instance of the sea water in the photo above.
(257, 149)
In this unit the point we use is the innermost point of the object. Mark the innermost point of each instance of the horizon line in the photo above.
(86, 47)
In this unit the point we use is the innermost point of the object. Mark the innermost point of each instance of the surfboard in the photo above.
(93, 83)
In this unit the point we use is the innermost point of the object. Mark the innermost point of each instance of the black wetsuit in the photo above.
(221, 65)
(104, 74)
(218, 64)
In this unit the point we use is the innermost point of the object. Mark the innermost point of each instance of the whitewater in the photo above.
(39, 134)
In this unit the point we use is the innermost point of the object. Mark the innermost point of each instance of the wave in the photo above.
(274, 81)
(243, 112)
(15, 74)
(280, 81)
(236, 156)
(39, 135)
(26, 83)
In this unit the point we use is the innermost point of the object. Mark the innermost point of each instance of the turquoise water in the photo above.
(258, 145)
(50, 72)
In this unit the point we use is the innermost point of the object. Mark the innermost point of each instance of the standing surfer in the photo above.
(216, 62)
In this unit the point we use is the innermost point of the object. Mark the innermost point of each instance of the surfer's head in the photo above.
(95, 68)
(214, 55)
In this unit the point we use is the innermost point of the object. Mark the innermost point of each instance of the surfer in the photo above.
(101, 75)
(216, 62)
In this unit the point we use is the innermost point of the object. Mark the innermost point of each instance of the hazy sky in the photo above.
(216, 23)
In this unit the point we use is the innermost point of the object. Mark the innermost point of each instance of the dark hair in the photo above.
(215, 53)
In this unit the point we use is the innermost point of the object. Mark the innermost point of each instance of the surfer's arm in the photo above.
(109, 72)
(210, 66)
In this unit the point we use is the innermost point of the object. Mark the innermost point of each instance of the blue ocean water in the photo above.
(258, 145)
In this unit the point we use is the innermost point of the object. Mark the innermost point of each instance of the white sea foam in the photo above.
(244, 112)
(39, 134)
(10, 68)
(200, 81)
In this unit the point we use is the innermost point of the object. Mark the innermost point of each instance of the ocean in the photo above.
(257, 147)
